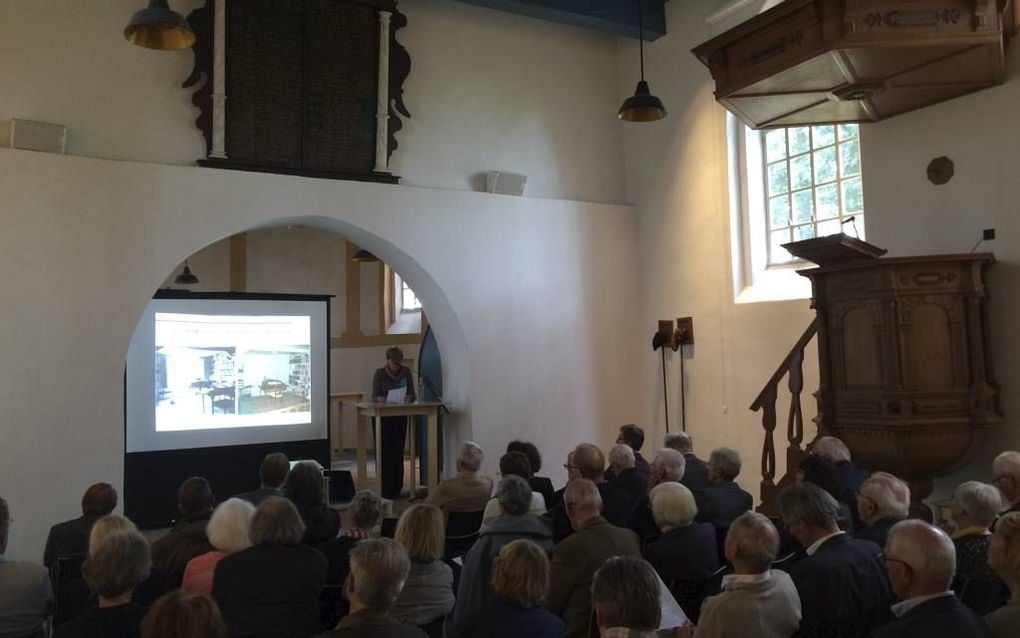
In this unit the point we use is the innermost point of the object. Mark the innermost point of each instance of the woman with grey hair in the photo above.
(364, 515)
(973, 509)
(119, 564)
(625, 597)
(228, 533)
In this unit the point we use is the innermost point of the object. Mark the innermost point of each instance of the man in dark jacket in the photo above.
(849, 477)
(696, 472)
(633, 437)
(70, 539)
(272, 588)
(723, 500)
(171, 553)
(272, 474)
(920, 560)
(883, 501)
(668, 465)
(576, 559)
(627, 478)
(842, 586)
(379, 568)
(589, 463)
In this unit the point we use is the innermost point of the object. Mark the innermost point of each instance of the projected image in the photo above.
(215, 371)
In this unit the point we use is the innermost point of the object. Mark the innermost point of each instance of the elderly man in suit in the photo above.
(921, 560)
(696, 474)
(723, 500)
(272, 475)
(755, 600)
(842, 585)
(626, 477)
(849, 477)
(575, 560)
(590, 463)
(70, 539)
(1006, 468)
(668, 466)
(882, 501)
(469, 491)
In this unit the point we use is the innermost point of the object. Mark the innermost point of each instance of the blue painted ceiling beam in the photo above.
(612, 16)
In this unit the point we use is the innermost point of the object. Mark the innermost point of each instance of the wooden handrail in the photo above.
(785, 365)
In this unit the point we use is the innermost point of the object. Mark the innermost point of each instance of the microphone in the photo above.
(851, 220)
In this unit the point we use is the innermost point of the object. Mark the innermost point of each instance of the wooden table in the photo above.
(336, 444)
(377, 411)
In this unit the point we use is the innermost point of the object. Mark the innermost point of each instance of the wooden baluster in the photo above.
(795, 421)
(768, 453)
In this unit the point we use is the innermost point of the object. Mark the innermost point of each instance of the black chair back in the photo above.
(72, 597)
(434, 629)
(462, 532)
(388, 528)
(332, 606)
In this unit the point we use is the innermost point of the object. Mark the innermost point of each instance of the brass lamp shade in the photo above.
(642, 106)
(157, 27)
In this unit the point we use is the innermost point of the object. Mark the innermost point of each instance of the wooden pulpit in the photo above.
(903, 345)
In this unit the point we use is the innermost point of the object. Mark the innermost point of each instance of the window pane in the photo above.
(800, 140)
(846, 131)
(802, 207)
(778, 174)
(775, 145)
(853, 198)
(830, 227)
(803, 232)
(777, 253)
(827, 201)
(779, 211)
(800, 168)
(850, 158)
(825, 165)
(823, 135)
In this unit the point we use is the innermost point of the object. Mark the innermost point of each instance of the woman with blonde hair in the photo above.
(427, 596)
(228, 533)
(181, 614)
(1004, 557)
(106, 526)
(520, 580)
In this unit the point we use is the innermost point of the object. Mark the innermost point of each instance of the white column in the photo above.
(382, 116)
(219, 92)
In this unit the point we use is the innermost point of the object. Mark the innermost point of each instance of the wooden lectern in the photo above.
(905, 373)
(369, 412)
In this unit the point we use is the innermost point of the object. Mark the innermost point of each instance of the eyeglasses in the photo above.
(568, 466)
(1002, 477)
(889, 559)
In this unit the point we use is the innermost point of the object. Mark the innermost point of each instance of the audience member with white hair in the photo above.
(626, 599)
(723, 500)
(575, 559)
(379, 567)
(469, 491)
(105, 526)
(755, 599)
(228, 533)
(633, 437)
(590, 463)
(668, 466)
(25, 593)
(1004, 557)
(625, 475)
(882, 501)
(1006, 468)
(849, 477)
(974, 507)
(920, 560)
(696, 474)
(841, 582)
(685, 554)
(273, 587)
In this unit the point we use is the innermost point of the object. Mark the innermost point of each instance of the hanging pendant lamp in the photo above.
(186, 278)
(157, 27)
(642, 106)
(363, 256)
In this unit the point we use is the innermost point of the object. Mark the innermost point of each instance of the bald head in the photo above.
(667, 465)
(928, 553)
(752, 543)
(590, 462)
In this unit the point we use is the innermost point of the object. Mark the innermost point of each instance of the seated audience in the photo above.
(171, 553)
(1004, 557)
(591, 465)
(304, 488)
(70, 539)
(920, 560)
(882, 501)
(520, 581)
(1006, 468)
(105, 526)
(848, 476)
(755, 599)
(182, 614)
(514, 464)
(379, 567)
(475, 590)
(696, 471)
(625, 596)
(541, 484)
(723, 500)
(575, 560)
(841, 582)
(668, 465)
(364, 516)
(273, 587)
(572, 473)
(427, 596)
(118, 565)
(469, 491)
(25, 594)
(974, 508)
(822, 472)
(625, 475)
(272, 474)
(633, 437)
(228, 533)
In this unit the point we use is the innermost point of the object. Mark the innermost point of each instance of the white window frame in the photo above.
(398, 293)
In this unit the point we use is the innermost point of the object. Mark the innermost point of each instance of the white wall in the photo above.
(677, 177)
(487, 90)
(529, 299)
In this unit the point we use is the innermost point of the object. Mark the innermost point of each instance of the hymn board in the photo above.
(301, 87)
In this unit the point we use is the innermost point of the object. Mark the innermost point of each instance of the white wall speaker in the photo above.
(505, 183)
(33, 136)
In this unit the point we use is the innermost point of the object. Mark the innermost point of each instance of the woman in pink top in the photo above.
(228, 533)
